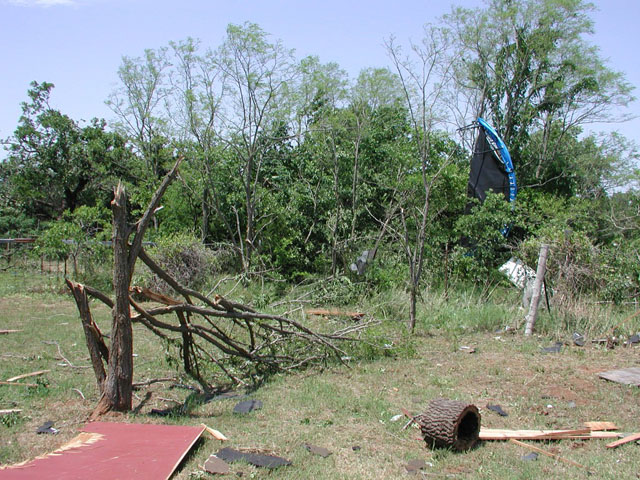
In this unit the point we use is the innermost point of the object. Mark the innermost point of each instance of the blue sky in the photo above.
(78, 44)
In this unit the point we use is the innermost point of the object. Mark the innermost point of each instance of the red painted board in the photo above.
(125, 451)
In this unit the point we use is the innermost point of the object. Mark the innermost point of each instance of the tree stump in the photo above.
(450, 424)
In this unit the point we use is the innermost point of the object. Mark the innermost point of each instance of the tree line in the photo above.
(296, 168)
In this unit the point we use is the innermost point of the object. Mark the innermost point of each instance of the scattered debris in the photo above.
(268, 461)
(578, 339)
(467, 349)
(10, 411)
(114, 450)
(47, 427)
(321, 451)
(597, 426)
(628, 439)
(216, 465)
(555, 348)
(26, 375)
(609, 342)
(450, 424)
(360, 265)
(395, 418)
(414, 466)
(632, 340)
(79, 392)
(626, 376)
(215, 433)
(335, 313)
(356, 448)
(593, 430)
(163, 412)
(247, 406)
(529, 457)
(498, 409)
(548, 454)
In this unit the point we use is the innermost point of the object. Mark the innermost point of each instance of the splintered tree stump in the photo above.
(450, 424)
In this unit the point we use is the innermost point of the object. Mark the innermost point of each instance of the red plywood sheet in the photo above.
(114, 451)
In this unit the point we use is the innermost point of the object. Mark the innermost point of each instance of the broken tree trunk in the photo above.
(117, 387)
(98, 351)
(450, 424)
(117, 391)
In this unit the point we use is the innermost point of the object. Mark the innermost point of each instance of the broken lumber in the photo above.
(577, 434)
(622, 441)
(599, 426)
(501, 434)
(26, 375)
(214, 433)
(4, 332)
(10, 411)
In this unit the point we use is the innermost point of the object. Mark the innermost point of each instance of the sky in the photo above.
(78, 45)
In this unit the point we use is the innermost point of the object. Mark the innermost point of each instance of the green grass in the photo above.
(341, 407)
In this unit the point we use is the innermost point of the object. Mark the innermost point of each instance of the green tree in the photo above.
(527, 67)
(423, 73)
(54, 164)
(256, 74)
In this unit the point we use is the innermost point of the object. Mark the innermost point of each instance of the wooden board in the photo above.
(600, 426)
(501, 434)
(626, 376)
(105, 451)
(630, 438)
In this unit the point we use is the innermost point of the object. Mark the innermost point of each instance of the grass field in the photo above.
(348, 410)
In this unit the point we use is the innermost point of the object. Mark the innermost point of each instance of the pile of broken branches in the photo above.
(234, 337)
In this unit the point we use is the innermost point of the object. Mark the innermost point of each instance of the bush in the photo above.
(187, 260)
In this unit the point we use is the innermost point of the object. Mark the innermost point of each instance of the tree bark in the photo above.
(450, 424)
(117, 393)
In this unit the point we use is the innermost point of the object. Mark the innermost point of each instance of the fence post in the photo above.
(530, 319)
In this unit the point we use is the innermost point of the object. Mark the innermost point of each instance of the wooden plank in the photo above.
(597, 434)
(626, 376)
(627, 439)
(501, 434)
(10, 411)
(600, 426)
(26, 375)
(4, 332)
(215, 433)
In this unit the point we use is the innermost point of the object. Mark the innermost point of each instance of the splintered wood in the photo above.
(591, 430)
